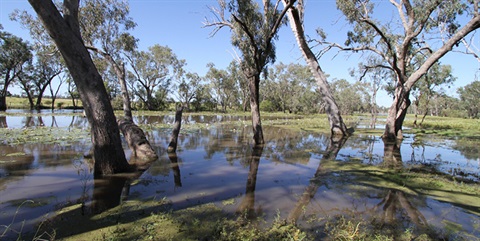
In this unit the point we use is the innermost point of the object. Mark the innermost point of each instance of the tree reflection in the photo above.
(175, 168)
(392, 156)
(32, 121)
(247, 206)
(396, 205)
(3, 122)
(107, 192)
(334, 146)
(110, 191)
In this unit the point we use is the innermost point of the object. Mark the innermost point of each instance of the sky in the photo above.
(178, 24)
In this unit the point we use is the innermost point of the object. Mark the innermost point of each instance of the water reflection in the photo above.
(247, 205)
(177, 177)
(395, 205)
(300, 173)
(335, 145)
(33, 121)
(392, 156)
(107, 192)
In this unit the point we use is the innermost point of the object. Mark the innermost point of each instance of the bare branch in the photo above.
(367, 68)
(401, 14)
(470, 51)
(219, 19)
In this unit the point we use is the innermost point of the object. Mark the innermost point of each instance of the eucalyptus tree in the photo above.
(65, 31)
(47, 64)
(72, 91)
(374, 79)
(428, 86)
(253, 33)
(152, 74)
(25, 82)
(349, 97)
(14, 53)
(296, 17)
(224, 86)
(188, 87)
(413, 28)
(470, 97)
(241, 83)
(54, 90)
(105, 26)
(293, 82)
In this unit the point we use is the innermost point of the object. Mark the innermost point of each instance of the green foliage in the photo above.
(152, 74)
(14, 52)
(290, 88)
(105, 23)
(188, 88)
(267, 105)
(470, 97)
(350, 98)
(254, 31)
(225, 85)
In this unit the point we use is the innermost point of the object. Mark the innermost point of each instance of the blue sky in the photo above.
(178, 24)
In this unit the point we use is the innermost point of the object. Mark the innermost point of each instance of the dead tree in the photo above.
(172, 147)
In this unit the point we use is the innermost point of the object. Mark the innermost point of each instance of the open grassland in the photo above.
(22, 103)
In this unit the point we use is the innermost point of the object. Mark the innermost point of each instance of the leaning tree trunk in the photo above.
(253, 84)
(107, 146)
(127, 107)
(172, 146)
(136, 140)
(337, 126)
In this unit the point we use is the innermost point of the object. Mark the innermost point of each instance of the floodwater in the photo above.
(296, 175)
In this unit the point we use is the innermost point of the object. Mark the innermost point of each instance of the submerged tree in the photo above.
(253, 33)
(65, 31)
(419, 25)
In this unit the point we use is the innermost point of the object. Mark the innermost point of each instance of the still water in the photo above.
(291, 176)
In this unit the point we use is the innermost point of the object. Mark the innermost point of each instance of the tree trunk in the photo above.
(172, 146)
(120, 72)
(253, 84)
(136, 140)
(30, 99)
(107, 146)
(337, 126)
(396, 114)
(3, 103)
(416, 105)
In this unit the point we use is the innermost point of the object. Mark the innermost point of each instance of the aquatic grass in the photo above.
(51, 135)
(8, 227)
